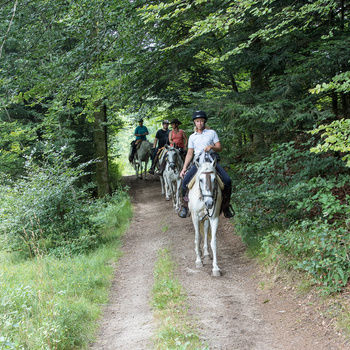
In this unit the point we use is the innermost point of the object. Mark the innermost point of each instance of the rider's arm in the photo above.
(216, 147)
(171, 138)
(185, 140)
(155, 143)
(188, 159)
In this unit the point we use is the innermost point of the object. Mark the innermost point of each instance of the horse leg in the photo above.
(197, 240)
(214, 222)
(178, 189)
(206, 255)
(162, 184)
(167, 187)
(146, 162)
(175, 195)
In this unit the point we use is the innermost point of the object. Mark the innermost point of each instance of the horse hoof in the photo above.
(216, 273)
(167, 198)
(199, 264)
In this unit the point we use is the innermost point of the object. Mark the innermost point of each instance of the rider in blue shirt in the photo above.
(140, 132)
(206, 140)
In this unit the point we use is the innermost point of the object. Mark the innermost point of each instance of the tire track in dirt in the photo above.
(230, 311)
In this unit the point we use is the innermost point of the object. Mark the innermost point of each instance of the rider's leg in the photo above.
(189, 175)
(154, 160)
(161, 164)
(133, 150)
(226, 193)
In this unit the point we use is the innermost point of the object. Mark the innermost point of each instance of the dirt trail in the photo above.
(231, 311)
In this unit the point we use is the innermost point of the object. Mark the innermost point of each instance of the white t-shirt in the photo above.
(199, 141)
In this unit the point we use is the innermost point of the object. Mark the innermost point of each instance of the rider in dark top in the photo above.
(162, 139)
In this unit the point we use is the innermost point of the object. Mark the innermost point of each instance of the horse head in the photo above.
(208, 187)
(172, 157)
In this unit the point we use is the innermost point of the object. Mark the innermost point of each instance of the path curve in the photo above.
(231, 311)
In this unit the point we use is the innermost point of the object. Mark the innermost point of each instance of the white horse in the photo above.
(171, 175)
(161, 160)
(205, 199)
(142, 155)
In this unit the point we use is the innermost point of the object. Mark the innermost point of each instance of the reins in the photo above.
(209, 188)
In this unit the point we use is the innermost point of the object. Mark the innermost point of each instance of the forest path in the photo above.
(231, 311)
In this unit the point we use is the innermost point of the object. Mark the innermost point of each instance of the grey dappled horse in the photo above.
(171, 175)
(142, 156)
(205, 199)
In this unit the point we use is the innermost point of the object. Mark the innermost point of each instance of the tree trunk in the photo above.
(101, 151)
(334, 96)
(345, 99)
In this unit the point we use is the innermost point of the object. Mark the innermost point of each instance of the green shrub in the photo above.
(54, 303)
(46, 210)
(296, 203)
(316, 247)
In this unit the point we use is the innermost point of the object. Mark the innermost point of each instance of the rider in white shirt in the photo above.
(205, 140)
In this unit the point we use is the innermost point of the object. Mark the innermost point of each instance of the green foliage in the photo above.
(46, 210)
(316, 247)
(52, 303)
(296, 203)
(335, 137)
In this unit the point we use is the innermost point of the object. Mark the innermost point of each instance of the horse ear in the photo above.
(196, 163)
(214, 162)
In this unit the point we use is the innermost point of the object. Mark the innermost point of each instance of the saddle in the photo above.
(218, 179)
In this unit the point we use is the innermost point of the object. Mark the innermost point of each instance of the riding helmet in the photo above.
(176, 121)
(199, 114)
(165, 121)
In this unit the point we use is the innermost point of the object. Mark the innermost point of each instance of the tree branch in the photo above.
(9, 27)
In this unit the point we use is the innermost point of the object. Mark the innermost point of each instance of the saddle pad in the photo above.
(218, 179)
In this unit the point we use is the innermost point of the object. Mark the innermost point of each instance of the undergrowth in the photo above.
(176, 329)
(53, 303)
(295, 204)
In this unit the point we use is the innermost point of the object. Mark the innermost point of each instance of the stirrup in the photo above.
(183, 212)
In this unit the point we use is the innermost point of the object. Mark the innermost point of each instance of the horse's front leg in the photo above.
(146, 163)
(167, 187)
(206, 254)
(214, 223)
(173, 193)
(178, 189)
(162, 184)
(197, 240)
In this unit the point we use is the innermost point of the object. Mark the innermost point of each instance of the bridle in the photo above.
(213, 195)
(172, 164)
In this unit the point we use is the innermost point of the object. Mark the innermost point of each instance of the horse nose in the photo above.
(209, 203)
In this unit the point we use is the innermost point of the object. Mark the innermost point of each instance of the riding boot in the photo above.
(151, 169)
(161, 167)
(184, 207)
(226, 207)
(133, 150)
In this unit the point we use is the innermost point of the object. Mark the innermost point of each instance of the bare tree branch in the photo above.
(9, 27)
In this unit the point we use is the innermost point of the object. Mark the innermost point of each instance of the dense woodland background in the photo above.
(272, 75)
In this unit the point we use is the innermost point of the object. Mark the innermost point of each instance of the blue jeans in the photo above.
(221, 171)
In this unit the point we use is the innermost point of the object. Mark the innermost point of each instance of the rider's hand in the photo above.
(183, 172)
(208, 148)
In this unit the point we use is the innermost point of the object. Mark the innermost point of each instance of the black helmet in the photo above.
(175, 121)
(140, 120)
(199, 114)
